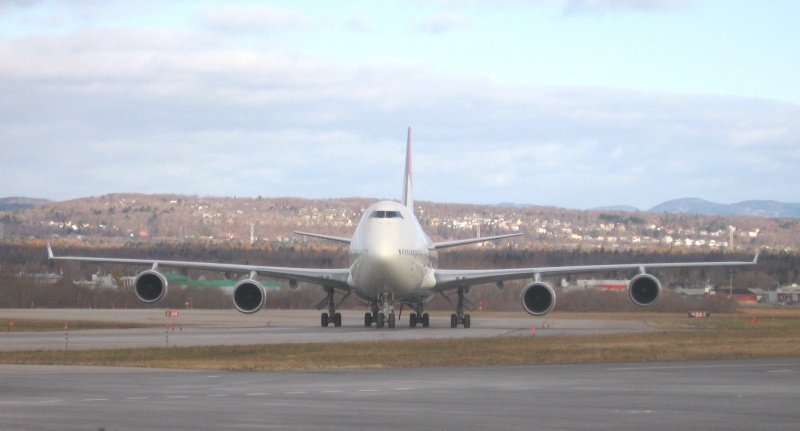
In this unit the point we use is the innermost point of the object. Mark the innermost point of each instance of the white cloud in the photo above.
(361, 22)
(261, 18)
(155, 110)
(18, 3)
(604, 6)
(442, 22)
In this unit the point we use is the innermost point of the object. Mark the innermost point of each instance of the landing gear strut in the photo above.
(331, 316)
(418, 317)
(459, 317)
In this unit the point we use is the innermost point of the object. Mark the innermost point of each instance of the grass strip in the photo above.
(747, 343)
(37, 325)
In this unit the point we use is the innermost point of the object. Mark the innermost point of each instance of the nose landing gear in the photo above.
(382, 313)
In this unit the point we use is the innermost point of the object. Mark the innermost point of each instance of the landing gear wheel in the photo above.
(367, 320)
(331, 316)
(391, 321)
(412, 320)
(426, 320)
(379, 320)
(459, 317)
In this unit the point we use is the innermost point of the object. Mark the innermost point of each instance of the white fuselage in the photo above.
(391, 255)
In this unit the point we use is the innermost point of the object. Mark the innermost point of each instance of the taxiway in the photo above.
(229, 327)
(726, 395)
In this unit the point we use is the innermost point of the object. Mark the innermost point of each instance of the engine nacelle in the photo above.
(538, 298)
(150, 286)
(644, 290)
(249, 296)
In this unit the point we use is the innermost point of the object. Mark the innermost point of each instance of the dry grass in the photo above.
(728, 336)
(34, 325)
(710, 344)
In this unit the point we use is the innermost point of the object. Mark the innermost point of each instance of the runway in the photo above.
(729, 395)
(229, 327)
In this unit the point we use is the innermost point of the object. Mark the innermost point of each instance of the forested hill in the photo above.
(14, 203)
(143, 217)
(762, 208)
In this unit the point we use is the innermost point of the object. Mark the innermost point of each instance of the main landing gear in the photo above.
(385, 319)
(331, 316)
(380, 319)
(418, 317)
(335, 318)
(459, 317)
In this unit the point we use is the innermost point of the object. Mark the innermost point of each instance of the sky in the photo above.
(570, 103)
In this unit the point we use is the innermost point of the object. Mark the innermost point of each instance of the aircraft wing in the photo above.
(447, 279)
(336, 278)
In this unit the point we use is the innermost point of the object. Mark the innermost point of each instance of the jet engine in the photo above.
(150, 286)
(249, 296)
(538, 298)
(644, 290)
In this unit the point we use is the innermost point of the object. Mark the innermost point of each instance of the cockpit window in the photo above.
(386, 214)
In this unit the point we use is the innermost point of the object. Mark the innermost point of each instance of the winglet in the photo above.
(408, 192)
(49, 251)
(755, 259)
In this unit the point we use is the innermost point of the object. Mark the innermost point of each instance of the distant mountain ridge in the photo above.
(617, 208)
(756, 208)
(16, 203)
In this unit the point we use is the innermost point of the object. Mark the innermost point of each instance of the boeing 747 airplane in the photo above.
(393, 262)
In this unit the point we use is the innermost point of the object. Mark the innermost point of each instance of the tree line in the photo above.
(30, 257)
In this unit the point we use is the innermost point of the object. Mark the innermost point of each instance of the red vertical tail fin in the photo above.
(408, 192)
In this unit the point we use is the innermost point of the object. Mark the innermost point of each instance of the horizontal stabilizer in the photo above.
(328, 237)
(446, 244)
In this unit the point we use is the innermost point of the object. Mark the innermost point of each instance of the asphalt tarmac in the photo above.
(729, 395)
(229, 327)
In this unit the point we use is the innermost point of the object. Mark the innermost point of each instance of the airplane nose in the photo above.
(387, 266)
(383, 248)
(383, 260)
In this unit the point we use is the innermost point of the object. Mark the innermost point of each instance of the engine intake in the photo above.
(150, 286)
(644, 290)
(249, 296)
(538, 298)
